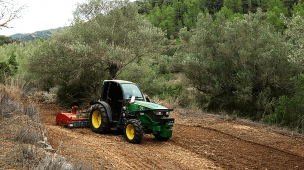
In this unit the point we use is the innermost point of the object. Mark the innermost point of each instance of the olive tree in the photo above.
(81, 56)
(90, 9)
(295, 34)
(240, 65)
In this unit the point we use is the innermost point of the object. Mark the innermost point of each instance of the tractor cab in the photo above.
(117, 93)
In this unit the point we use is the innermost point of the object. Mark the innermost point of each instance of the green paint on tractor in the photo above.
(123, 106)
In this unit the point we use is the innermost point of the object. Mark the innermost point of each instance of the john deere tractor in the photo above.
(123, 106)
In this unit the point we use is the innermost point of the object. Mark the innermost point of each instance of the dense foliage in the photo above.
(83, 55)
(8, 68)
(5, 40)
(239, 65)
(233, 56)
(172, 15)
(289, 110)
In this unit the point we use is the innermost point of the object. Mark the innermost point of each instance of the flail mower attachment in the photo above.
(73, 119)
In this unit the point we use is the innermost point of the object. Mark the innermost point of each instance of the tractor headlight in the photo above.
(124, 108)
(158, 113)
(71, 125)
(167, 113)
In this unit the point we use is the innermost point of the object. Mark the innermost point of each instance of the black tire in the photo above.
(133, 131)
(160, 138)
(99, 121)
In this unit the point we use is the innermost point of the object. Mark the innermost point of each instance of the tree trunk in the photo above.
(302, 124)
(113, 69)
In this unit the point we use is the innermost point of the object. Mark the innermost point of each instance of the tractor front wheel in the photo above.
(133, 131)
(99, 121)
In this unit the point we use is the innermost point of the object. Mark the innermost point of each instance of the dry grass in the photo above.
(28, 118)
(32, 111)
(28, 156)
(51, 162)
(27, 133)
(21, 156)
(21, 127)
(8, 106)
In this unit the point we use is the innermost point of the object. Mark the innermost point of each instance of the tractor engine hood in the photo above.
(148, 105)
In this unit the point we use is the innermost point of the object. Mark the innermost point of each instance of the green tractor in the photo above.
(123, 106)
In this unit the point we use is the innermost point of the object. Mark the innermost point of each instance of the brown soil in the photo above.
(198, 142)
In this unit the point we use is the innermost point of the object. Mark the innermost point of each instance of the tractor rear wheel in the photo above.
(133, 131)
(99, 121)
(160, 138)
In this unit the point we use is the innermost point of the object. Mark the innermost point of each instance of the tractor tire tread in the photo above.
(105, 123)
(138, 131)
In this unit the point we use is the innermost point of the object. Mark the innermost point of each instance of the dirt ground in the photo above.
(198, 142)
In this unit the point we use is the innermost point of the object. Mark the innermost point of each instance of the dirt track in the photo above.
(202, 142)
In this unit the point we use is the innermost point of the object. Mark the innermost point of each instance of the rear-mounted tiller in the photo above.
(72, 119)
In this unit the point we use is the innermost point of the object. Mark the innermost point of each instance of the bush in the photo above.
(145, 76)
(170, 51)
(178, 93)
(76, 93)
(8, 68)
(27, 133)
(28, 155)
(52, 162)
(32, 111)
(162, 68)
(289, 111)
(184, 34)
(8, 106)
(173, 90)
(238, 66)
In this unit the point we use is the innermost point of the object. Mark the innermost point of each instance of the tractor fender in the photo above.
(107, 107)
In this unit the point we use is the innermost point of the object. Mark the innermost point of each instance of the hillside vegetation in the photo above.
(243, 58)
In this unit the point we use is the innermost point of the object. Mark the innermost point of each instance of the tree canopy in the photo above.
(86, 53)
(239, 65)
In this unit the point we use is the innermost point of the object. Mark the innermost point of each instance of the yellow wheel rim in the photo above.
(96, 119)
(130, 131)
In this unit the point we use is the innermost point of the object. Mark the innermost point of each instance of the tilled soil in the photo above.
(204, 142)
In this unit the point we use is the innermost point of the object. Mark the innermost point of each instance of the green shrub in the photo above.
(146, 76)
(171, 91)
(184, 34)
(170, 51)
(75, 94)
(8, 68)
(238, 66)
(163, 68)
(289, 111)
